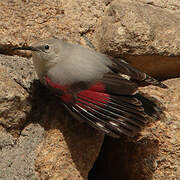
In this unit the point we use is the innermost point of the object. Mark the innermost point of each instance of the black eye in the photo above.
(46, 47)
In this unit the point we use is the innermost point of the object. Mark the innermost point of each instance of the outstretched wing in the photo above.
(111, 106)
(110, 114)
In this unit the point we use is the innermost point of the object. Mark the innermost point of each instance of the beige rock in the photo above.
(138, 28)
(18, 154)
(152, 155)
(69, 149)
(168, 4)
(23, 22)
(147, 36)
(14, 105)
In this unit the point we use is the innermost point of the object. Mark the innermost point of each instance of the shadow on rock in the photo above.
(70, 148)
(125, 159)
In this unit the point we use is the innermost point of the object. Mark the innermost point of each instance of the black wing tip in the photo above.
(152, 107)
(155, 82)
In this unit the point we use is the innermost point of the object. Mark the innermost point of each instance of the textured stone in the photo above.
(145, 35)
(69, 149)
(14, 105)
(138, 28)
(18, 155)
(23, 22)
(168, 4)
(19, 69)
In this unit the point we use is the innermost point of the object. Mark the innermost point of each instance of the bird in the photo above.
(92, 86)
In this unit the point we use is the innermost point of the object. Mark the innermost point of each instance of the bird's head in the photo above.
(45, 54)
(45, 51)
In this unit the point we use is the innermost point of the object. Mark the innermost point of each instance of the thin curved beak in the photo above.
(31, 48)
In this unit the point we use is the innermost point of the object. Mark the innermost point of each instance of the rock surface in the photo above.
(19, 69)
(26, 21)
(39, 139)
(138, 29)
(18, 155)
(152, 155)
(69, 149)
(147, 36)
(168, 4)
(14, 105)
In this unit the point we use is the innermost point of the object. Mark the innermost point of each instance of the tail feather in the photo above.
(150, 107)
(152, 81)
(111, 125)
(148, 80)
(135, 75)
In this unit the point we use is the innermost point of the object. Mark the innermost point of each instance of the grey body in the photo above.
(69, 63)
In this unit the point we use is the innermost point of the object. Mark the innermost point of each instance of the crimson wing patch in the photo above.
(107, 107)
(114, 115)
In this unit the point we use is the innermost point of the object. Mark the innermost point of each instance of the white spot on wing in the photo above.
(114, 124)
(99, 124)
(81, 108)
(135, 92)
(125, 76)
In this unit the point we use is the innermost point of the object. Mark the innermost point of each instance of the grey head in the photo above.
(45, 54)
